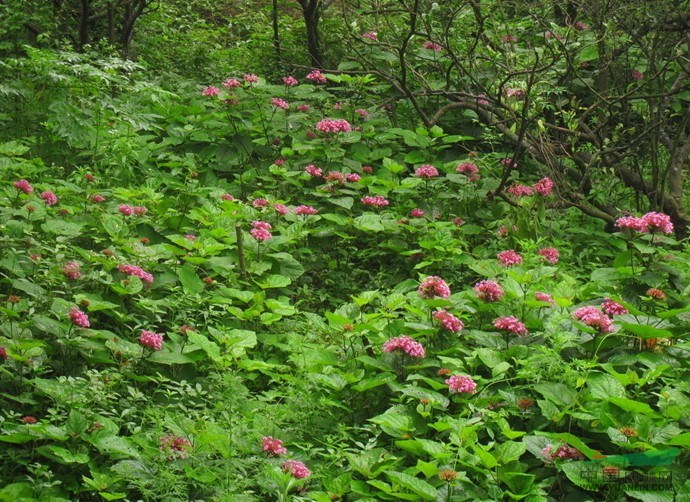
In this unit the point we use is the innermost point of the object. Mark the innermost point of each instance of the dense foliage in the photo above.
(370, 283)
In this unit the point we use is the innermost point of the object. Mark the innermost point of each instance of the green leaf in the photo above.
(603, 386)
(205, 344)
(287, 265)
(344, 202)
(633, 406)
(375, 381)
(369, 222)
(574, 472)
(62, 455)
(395, 422)
(274, 281)
(113, 225)
(115, 447)
(191, 284)
(169, 358)
(415, 485)
(644, 331)
(557, 393)
(64, 228)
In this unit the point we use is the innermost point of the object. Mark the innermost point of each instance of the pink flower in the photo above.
(335, 177)
(305, 210)
(316, 77)
(79, 318)
(448, 321)
(469, 169)
(657, 221)
(581, 26)
(29, 419)
(24, 186)
(417, 213)
(280, 103)
(636, 75)
(508, 162)
(260, 230)
(458, 222)
(280, 209)
(296, 468)
(279, 162)
(303, 108)
(426, 171)
(550, 254)
(489, 291)
(612, 308)
(264, 225)
(72, 271)
(273, 446)
(482, 99)
(543, 187)
(504, 230)
(367, 169)
(563, 452)
(133, 270)
(353, 178)
(211, 90)
(656, 293)
(631, 223)
(3, 353)
(260, 202)
(175, 446)
(313, 171)
(371, 35)
(515, 93)
(519, 190)
(232, 83)
(152, 340)
(96, 198)
(140, 210)
(125, 209)
(362, 113)
(507, 39)
(333, 126)
(544, 297)
(511, 324)
(509, 258)
(594, 318)
(290, 81)
(190, 237)
(406, 344)
(378, 201)
(227, 196)
(461, 384)
(250, 78)
(433, 286)
(432, 46)
(49, 197)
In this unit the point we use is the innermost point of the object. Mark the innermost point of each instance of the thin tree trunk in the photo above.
(276, 35)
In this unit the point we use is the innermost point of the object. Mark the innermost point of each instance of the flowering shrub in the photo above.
(406, 345)
(433, 286)
(461, 384)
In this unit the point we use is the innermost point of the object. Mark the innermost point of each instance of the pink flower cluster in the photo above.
(280, 103)
(433, 286)
(316, 77)
(461, 384)
(612, 308)
(97, 198)
(175, 446)
(509, 258)
(594, 318)
(152, 340)
(650, 222)
(519, 190)
(24, 186)
(227, 196)
(378, 201)
(232, 83)
(352, 177)
(406, 344)
(133, 270)
(302, 108)
(371, 35)
(290, 81)
(544, 186)
(261, 230)
(426, 171)
(127, 210)
(333, 126)
(448, 321)
(432, 46)
(636, 74)
(211, 90)
(305, 210)
(416, 213)
(313, 171)
(260, 202)
(49, 198)
(514, 93)
(250, 78)
(512, 325)
(469, 169)
(273, 446)
(544, 297)
(79, 318)
(563, 452)
(296, 469)
(72, 271)
(489, 291)
(362, 113)
(281, 209)
(549, 254)
(509, 162)
(335, 177)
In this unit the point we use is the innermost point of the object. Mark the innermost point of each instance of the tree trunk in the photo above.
(84, 24)
(276, 35)
(312, 14)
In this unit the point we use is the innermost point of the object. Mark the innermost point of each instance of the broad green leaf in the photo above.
(644, 331)
(415, 485)
(205, 344)
(274, 281)
(557, 393)
(603, 386)
(116, 447)
(633, 406)
(191, 284)
(62, 455)
(169, 358)
(288, 265)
